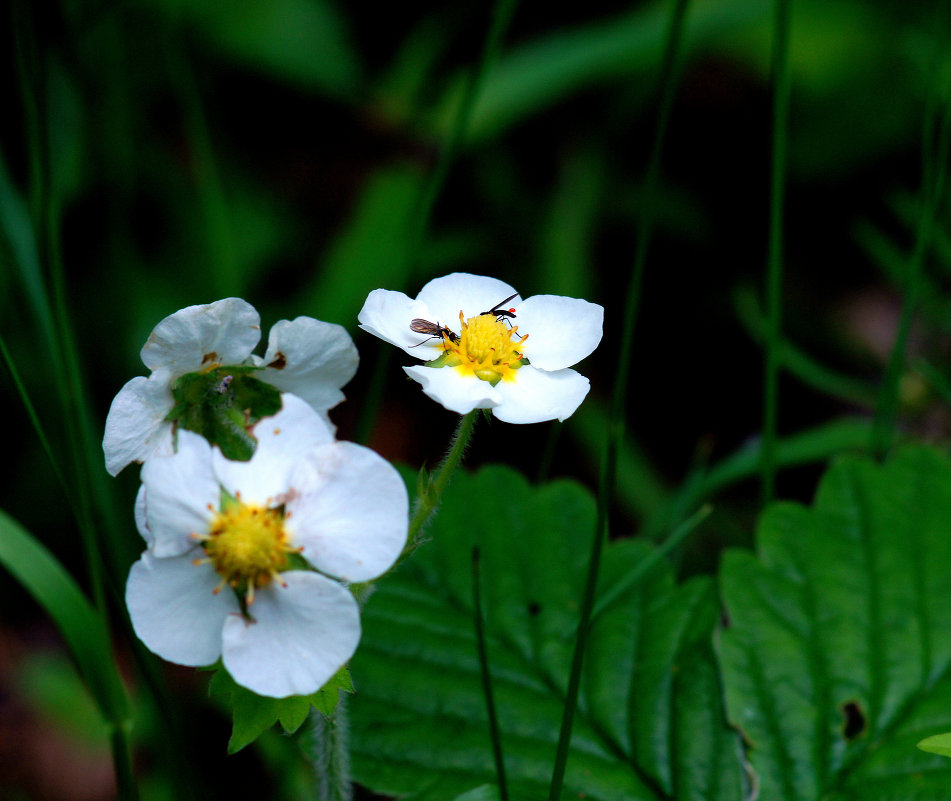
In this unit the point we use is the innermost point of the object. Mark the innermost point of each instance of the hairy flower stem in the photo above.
(329, 749)
(431, 488)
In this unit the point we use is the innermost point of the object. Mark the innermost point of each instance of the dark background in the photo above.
(157, 154)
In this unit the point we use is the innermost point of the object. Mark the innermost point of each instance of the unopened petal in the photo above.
(304, 629)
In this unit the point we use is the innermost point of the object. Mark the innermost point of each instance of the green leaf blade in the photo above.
(419, 711)
(839, 643)
(937, 744)
(79, 623)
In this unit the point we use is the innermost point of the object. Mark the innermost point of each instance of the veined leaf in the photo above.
(837, 657)
(650, 725)
(253, 714)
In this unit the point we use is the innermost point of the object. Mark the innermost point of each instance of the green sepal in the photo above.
(446, 359)
(326, 698)
(254, 714)
(423, 482)
(222, 405)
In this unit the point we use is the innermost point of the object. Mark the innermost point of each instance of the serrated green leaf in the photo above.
(837, 657)
(254, 714)
(326, 698)
(650, 725)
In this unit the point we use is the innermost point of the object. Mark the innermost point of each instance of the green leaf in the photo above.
(304, 42)
(254, 714)
(650, 725)
(82, 627)
(543, 72)
(326, 698)
(489, 792)
(837, 655)
(937, 744)
(372, 250)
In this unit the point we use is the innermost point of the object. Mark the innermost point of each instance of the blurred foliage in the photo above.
(159, 153)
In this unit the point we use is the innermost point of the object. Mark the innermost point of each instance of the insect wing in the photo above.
(421, 326)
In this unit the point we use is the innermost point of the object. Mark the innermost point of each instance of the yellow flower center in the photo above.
(247, 545)
(486, 348)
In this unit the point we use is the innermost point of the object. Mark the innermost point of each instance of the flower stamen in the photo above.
(248, 546)
(487, 348)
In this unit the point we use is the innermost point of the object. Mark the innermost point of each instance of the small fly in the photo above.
(500, 313)
(432, 330)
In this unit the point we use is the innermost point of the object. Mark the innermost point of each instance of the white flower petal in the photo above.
(387, 314)
(456, 391)
(282, 440)
(311, 359)
(141, 522)
(174, 609)
(561, 331)
(537, 395)
(225, 331)
(350, 511)
(302, 634)
(471, 294)
(135, 426)
(182, 493)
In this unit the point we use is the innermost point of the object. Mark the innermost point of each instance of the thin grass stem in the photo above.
(774, 265)
(502, 13)
(632, 579)
(31, 73)
(934, 174)
(669, 72)
(494, 732)
(37, 424)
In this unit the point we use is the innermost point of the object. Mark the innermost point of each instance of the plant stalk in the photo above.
(774, 268)
(667, 82)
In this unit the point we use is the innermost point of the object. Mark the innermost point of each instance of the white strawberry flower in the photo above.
(248, 561)
(307, 357)
(486, 348)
